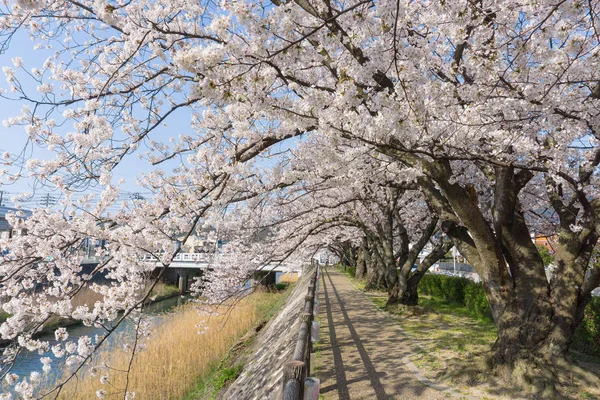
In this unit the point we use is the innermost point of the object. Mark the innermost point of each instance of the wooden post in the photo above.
(311, 293)
(300, 349)
(293, 379)
(307, 320)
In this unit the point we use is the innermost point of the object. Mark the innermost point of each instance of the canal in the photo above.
(28, 362)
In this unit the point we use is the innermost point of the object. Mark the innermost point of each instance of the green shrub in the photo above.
(432, 285)
(547, 257)
(476, 300)
(462, 291)
(225, 376)
(348, 270)
(587, 335)
(453, 289)
(472, 295)
(281, 286)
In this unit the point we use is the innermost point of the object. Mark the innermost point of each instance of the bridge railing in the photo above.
(191, 257)
(296, 371)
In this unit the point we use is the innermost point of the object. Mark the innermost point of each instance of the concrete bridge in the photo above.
(204, 260)
(185, 266)
(199, 261)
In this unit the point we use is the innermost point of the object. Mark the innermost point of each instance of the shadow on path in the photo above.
(341, 384)
(364, 354)
(375, 382)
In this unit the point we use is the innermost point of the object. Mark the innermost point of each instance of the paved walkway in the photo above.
(362, 352)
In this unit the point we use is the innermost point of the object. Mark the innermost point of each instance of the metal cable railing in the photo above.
(296, 371)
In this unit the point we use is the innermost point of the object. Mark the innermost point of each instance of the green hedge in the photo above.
(348, 270)
(457, 290)
(587, 334)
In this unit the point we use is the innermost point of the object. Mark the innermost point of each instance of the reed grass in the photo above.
(288, 277)
(177, 358)
(162, 290)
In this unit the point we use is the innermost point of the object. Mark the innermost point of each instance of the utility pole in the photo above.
(48, 200)
(1, 197)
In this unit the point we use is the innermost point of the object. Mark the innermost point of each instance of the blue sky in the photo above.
(14, 139)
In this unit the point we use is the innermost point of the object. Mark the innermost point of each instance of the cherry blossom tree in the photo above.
(474, 101)
(382, 214)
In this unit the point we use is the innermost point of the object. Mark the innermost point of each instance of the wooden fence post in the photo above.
(293, 379)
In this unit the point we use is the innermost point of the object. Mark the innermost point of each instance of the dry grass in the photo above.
(162, 290)
(288, 277)
(177, 358)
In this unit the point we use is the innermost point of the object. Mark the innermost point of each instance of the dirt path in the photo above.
(363, 354)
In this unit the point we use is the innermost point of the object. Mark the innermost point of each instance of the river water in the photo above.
(28, 362)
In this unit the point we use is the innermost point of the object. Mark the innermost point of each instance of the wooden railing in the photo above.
(296, 370)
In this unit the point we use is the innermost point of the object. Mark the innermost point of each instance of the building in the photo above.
(326, 257)
(7, 231)
(548, 241)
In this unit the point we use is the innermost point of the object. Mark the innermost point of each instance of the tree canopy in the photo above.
(472, 123)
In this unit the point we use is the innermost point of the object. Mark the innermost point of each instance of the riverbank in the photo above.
(176, 359)
(262, 372)
(231, 365)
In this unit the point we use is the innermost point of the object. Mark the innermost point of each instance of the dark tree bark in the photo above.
(410, 296)
(536, 318)
(376, 277)
(407, 260)
(346, 252)
(363, 260)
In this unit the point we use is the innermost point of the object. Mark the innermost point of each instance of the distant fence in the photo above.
(297, 370)
(450, 266)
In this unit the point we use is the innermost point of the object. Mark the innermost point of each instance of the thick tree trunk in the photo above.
(532, 345)
(382, 283)
(376, 280)
(410, 296)
(405, 291)
(363, 261)
(375, 276)
(384, 275)
(536, 319)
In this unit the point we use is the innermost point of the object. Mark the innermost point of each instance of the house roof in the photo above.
(6, 210)
(4, 226)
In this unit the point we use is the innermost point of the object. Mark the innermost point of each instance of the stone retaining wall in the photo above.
(274, 345)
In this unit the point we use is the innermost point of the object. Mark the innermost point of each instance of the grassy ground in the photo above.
(178, 361)
(318, 361)
(451, 346)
